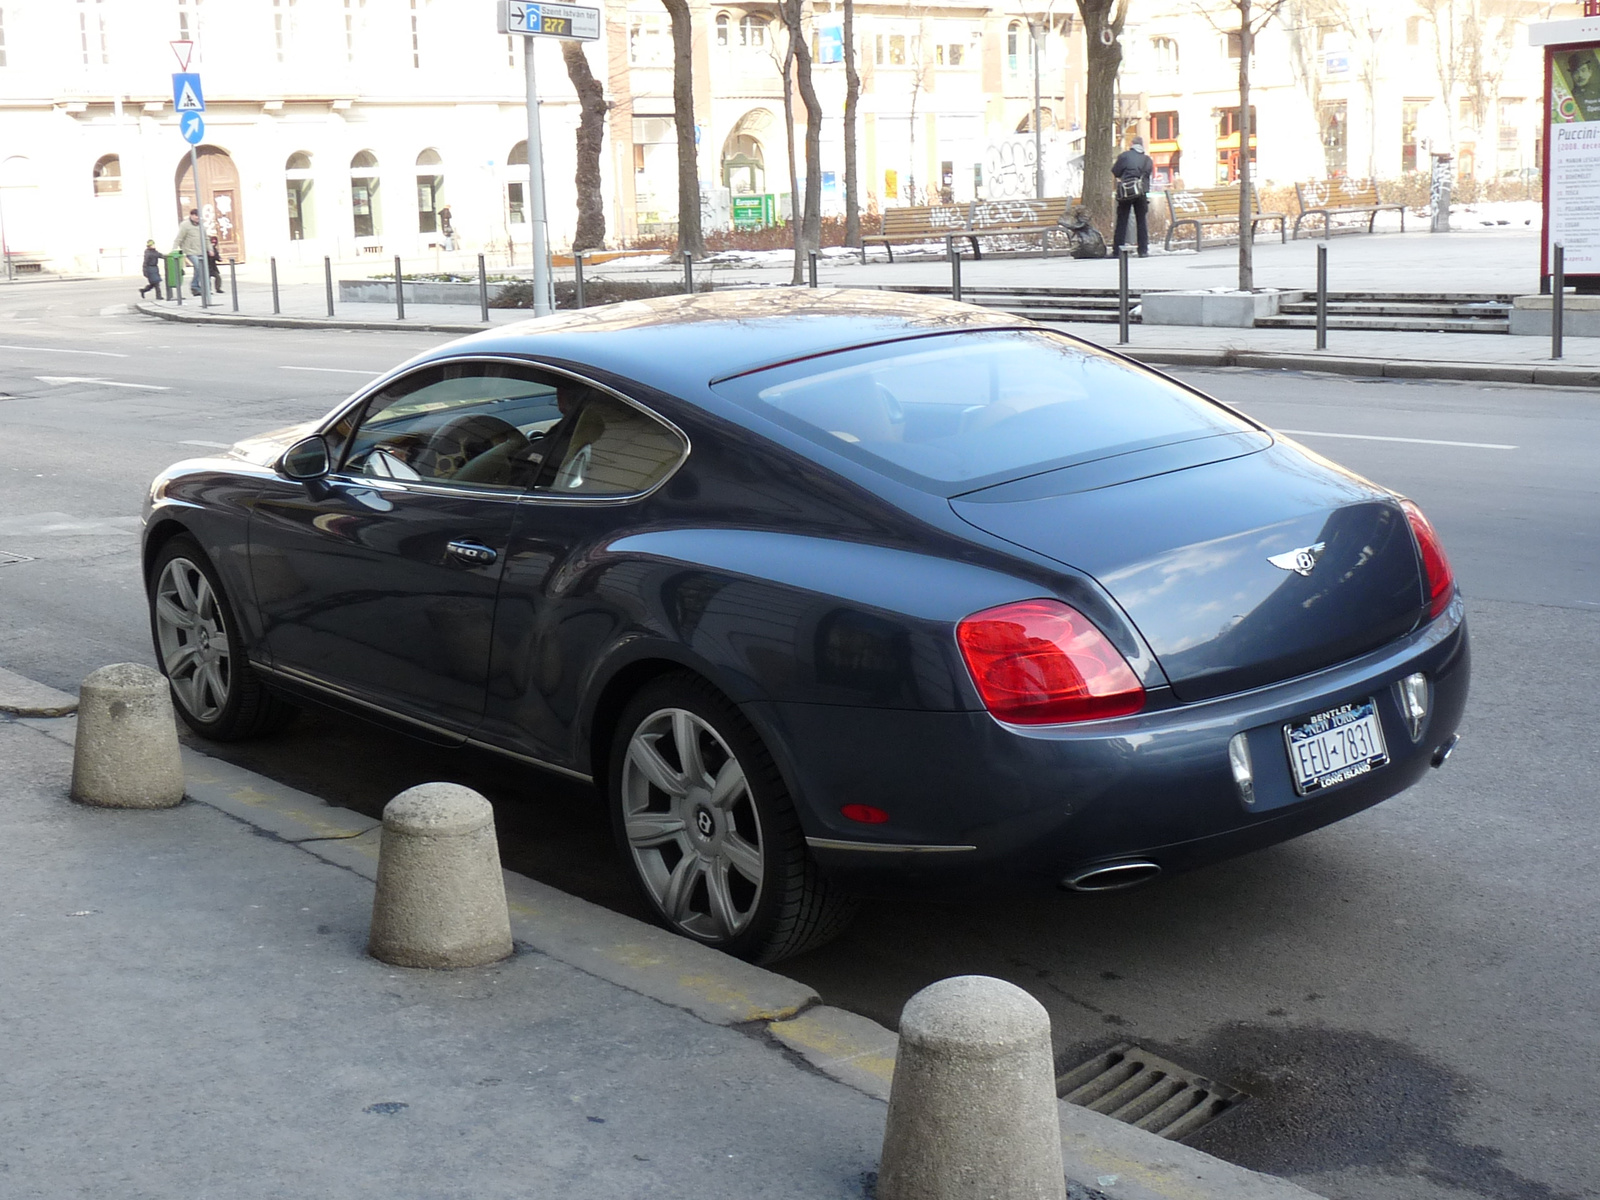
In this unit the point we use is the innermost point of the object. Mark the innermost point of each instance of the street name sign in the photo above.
(568, 22)
(186, 93)
(193, 127)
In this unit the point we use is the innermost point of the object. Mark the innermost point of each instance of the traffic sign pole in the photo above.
(542, 295)
(189, 97)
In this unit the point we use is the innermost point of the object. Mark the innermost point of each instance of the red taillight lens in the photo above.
(1441, 579)
(1042, 662)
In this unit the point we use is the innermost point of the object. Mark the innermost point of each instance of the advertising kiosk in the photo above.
(1572, 146)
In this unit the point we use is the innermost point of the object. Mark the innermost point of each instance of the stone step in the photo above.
(1367, 308)
(1391, 324)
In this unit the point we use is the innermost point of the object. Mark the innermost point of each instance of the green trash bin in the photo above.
(174, 272)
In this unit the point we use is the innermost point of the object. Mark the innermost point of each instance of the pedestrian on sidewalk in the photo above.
(214, 265)
(152, 269)
(1132, 172)
(447, 228)
(191, 241)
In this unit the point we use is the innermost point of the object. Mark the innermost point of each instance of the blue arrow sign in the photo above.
(193, 127)
(186, 93)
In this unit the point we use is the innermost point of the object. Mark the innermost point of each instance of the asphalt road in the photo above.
(1408, 997)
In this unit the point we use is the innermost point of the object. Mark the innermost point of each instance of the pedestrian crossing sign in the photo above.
(186, 93)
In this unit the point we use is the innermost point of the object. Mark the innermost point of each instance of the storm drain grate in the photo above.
(7, 558)
(1146, 1092)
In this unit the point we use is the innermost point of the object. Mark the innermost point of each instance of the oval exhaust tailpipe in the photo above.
(1112, 877)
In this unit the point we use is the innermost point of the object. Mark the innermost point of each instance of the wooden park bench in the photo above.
(980, 218)
(1217, 206)
(1329, 198)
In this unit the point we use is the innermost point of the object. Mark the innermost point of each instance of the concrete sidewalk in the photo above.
(189, 1012)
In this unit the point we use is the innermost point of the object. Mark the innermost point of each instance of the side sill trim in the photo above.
(883, 847)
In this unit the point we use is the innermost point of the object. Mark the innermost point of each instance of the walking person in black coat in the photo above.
(153, 262)
(1132, 172)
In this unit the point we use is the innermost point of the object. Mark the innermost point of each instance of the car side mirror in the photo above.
(307, 459)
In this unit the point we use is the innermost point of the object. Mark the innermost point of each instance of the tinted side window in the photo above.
(471, 424)
(615, 449)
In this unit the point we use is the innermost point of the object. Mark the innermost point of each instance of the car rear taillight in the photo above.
(1441, 579)
(1042, 662)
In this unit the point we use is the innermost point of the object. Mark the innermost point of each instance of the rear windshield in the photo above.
(956, 412)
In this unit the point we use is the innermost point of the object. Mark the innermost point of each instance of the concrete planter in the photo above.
(1580, 316)
(1235, 310)
(381, 291)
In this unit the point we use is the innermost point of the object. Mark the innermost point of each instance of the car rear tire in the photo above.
(199, 650)
(707, 830)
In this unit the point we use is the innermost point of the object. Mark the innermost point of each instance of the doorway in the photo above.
(220, 211)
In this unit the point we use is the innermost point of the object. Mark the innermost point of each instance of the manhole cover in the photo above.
(7, 558)
(1147, 1092)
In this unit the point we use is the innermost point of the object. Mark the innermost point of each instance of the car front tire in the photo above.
(707, 830)
(199, 650)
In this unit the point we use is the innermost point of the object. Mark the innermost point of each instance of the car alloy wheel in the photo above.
(192, 635)
(692, 825)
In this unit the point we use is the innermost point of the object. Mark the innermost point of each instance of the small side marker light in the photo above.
(1414, 703)
(864, 813)
(1243, 772)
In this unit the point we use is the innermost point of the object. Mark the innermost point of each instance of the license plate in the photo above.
(1334, 746)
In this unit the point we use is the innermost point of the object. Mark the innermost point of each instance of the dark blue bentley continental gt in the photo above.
(827, 592)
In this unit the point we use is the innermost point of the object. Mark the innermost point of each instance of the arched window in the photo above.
(752, 30)
(722, 29)
(364, 194)
(297, 197)
(516, 208)
(1013, 36)
(108, 176)
(430, 191)
(1165, 52)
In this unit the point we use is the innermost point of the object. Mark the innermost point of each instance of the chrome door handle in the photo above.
(475, 553)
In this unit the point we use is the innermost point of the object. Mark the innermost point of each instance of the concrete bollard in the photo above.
(440, 901)
(972, 1109)
(126, 755)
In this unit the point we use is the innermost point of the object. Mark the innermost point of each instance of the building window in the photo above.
(752, 31)
(352, 8)
(897, 49)
(416, 40)
(297, 188)
(1333, 117)
(1228, 122)
(364, 194)
(648, 43)
(1409, 112)
(1413, 31)
(1235, 44)
(1163, 126)
(108, 176)
(92, 32)
(516, 210)
(1510, 125)
(2, 37)
(1165, 52)
(722, 29)
(189, 27)
(1013, 36)
(430, 191)
(283, 25)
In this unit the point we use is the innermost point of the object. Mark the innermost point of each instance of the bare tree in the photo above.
(796, 226)
(690, 240)
(793, 13)
(1447, 18)
(592, 107)
(1102, 31)
(852, 95)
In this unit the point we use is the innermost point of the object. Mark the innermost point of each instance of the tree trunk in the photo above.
(793, 11)
(690, 240)
(1247, 272)
(852, 94)
(591, 234)
(1099, 125)
(795, 224)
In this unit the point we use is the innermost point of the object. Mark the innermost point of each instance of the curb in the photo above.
(1382, 368)
(1110, 1159)
(24, 698)
(1376, 368)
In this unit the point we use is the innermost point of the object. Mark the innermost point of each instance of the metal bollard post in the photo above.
(1558, 287)
(1122, 294)
(688, 272)
(483, 291)
(955, 268)
(233, 282)
(274, 263)
(327, 278)
(577, 278)
(1322, 295)
(811, 267)
(399, 292)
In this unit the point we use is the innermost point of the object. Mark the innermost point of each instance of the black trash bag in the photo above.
(1083, 239)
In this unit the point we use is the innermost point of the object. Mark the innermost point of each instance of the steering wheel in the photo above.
(460, 440)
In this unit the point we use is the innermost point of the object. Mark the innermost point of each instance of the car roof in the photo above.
(677, 342)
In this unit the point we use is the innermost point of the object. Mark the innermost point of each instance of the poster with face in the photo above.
(1575, 86)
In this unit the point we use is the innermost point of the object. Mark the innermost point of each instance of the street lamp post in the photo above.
(1035, 35)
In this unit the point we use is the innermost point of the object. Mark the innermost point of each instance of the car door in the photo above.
(379, 581)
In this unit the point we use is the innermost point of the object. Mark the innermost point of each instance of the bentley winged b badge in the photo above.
(1299, 561)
